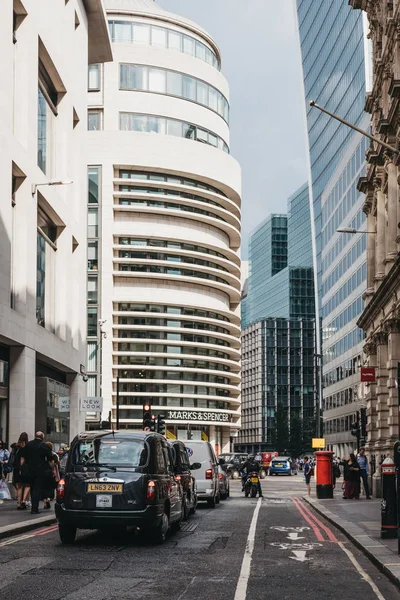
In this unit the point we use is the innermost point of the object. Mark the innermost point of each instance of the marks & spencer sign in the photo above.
(195, 415)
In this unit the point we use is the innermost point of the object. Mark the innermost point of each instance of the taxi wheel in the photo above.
(211, 502)
(67, 533)
(263, 474)
(186, 511)
(218, 499)
(159, 534)
(235, 475)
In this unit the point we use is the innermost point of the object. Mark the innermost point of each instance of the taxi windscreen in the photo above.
(109, 452)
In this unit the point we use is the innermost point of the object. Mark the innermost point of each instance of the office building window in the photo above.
(92, 256)
(92, 356)
(93, 217)
(94, 78)
(42, 131)
(94, 120)
(92, 290)
(93, 185)
(40, 279)
(92, 321)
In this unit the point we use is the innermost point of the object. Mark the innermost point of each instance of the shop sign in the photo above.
(92, 404)
(195, 415)
(63, 404)
(318, 442)
(367, 374)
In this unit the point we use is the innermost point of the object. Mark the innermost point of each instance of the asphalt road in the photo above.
(275, 548)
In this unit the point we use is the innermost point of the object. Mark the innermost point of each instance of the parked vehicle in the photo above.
(116, 479)
(232, 463)
(280, 465)
(183, 474)
(251, 485)
(223, 483)
(207, 479)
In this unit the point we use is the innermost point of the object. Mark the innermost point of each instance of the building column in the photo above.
(370, 351)
(392, 326)
(22, 392)
(392, 227)
(380, 250)
(77, 389)
(371, 245)
(226, 441)
(382, 426)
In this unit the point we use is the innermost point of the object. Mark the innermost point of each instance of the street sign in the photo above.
(92, 404)
(367, 374)
(63, 404)
(318, 442)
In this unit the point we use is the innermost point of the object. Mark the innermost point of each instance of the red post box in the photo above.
(324, 474)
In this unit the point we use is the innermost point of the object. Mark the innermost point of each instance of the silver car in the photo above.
(223, 480)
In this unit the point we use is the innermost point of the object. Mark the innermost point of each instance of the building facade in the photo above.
(164, 266)
(380, 318)
(278, 338)
(336, 73)
(43, 220)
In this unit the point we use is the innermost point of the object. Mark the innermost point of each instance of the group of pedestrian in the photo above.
(355, 471)
(35, 468)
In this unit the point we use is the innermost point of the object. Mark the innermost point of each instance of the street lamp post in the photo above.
(49, 183)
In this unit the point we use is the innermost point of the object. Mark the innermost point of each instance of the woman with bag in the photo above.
(352, 479)
(51, 479)
(21, 477)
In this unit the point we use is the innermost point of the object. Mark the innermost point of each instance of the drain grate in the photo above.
(189, 527)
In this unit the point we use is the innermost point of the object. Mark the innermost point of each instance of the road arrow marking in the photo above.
(295, 536)
(300, 555)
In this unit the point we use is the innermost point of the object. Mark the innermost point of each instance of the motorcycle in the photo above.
(251, 485)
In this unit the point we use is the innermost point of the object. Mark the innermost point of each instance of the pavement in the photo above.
(276, 547)
(13, 521)
(360, 521)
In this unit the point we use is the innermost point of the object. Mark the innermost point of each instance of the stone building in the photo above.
(381, 316)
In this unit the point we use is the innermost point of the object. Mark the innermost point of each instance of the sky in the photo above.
(260, 58)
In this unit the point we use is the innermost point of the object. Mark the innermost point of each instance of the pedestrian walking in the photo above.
(307, 474)
(21, 476)
(351, 478)
(363, 464)
(4, 456)
(51, 479)
(38, 457)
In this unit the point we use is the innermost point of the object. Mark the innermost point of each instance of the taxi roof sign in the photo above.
(318, 442)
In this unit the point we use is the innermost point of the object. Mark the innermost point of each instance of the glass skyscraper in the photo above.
(280, 280)
(278, 328)
(332, 40)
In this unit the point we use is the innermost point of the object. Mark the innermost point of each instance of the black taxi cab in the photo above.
(115, 479)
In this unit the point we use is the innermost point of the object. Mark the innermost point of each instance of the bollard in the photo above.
(324, 474)
(389, 500)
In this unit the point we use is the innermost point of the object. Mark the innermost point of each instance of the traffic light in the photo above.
(161, 424)
(363, 413)
(147, 419)
(153, 426)
(355, 429)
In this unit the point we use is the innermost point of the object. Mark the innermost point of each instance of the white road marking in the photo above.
(301, 529)
(241, 588)
(300, 546)
(359, 568)
(295, 536)
(300, 555)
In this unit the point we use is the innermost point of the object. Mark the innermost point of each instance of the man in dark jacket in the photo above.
(39, 460)
(250, 465)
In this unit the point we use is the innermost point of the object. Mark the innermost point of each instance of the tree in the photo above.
(281, 433)
(296, 434)
(309, 430)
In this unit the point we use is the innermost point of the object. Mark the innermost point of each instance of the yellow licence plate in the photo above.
(254, 480)
(278, 465)
(109, 488)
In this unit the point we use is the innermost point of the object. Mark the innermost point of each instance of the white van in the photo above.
(207, 477)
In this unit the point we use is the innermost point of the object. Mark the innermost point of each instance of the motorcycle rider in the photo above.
(248, 467)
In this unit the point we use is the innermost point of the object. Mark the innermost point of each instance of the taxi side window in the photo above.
(161, 463)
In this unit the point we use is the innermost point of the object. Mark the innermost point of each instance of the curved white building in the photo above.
(164, 228)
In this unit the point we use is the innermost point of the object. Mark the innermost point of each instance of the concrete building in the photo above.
(43, 222)
(336, 73)
(381, 316)
(278, 339)
(164, 219)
